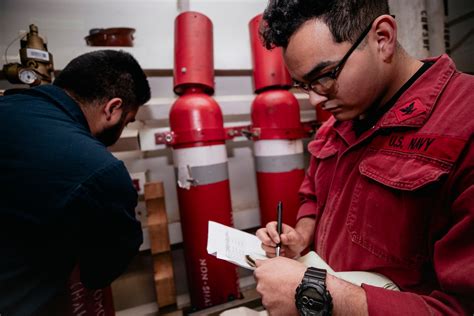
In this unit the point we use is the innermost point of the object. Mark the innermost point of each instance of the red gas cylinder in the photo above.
(268, 69)
(200, 160)
(278, 132)
(278, 152)
(196, 119)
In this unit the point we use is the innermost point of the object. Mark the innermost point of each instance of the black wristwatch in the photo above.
(311, 297)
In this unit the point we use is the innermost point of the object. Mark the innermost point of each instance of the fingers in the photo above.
(269, 235)
(270, 238)
(269, 250)
(273, 232)
(268, 245)
(286, 228)
(264, 237)
(290, 236)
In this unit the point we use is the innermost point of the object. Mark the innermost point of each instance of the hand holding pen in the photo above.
(279, 239)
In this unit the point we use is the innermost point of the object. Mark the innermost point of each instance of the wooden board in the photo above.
(157, 220)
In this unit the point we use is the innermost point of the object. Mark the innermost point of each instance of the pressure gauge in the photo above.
(27, 76)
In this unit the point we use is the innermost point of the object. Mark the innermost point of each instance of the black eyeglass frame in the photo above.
(334, 73)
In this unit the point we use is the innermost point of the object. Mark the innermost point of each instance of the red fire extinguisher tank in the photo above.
(200, 161)
(278, 145)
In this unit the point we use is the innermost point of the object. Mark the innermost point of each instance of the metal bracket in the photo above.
(166, 138)
(190, 178)
(186, 181)
(246, 131)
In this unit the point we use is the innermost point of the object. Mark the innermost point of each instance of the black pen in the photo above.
(279, 222)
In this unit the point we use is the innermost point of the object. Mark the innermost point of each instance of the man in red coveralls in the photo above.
(390, 186)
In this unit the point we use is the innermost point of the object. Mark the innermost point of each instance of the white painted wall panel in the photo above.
(409, 14)
(65, 23)
(462, 33)
(231, 35)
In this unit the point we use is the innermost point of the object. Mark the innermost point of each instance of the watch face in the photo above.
(312, 293)
(312, 299)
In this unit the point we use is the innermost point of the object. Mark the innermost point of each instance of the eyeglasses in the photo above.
(325, 83)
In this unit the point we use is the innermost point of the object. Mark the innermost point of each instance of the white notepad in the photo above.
(233, 245)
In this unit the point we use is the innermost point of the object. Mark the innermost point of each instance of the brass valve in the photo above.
(36, 62)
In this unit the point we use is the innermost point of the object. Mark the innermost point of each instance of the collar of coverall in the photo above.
(62, 100)
(415, 105)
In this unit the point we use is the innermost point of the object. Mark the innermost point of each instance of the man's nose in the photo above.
(316, 99)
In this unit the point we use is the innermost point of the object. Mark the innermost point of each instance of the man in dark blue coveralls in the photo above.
(65, 200)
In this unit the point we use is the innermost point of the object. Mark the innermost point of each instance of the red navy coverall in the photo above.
(399, 199)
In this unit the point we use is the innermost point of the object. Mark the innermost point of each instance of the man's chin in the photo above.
(108, 143)
(111, 135)
(108, 139)
(344, 116)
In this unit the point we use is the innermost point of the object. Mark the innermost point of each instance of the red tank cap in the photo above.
(193, 53)
(269, 70)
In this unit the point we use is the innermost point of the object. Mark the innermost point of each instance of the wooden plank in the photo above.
(154, 190)
(164, 279)
(157, 220)
(159, 239)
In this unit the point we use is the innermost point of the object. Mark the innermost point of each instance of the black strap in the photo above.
(315, 275)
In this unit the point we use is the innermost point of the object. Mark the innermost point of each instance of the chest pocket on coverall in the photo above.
(389, 214)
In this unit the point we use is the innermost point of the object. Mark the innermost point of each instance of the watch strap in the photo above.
(315, 275)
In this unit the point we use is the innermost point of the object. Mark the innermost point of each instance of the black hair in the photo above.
(103, 75)
(346, 19)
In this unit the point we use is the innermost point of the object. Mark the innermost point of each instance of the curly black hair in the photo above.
(105, 74)
(346, 19)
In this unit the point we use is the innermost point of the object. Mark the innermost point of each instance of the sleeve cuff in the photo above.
(307, 209)
(387, 302)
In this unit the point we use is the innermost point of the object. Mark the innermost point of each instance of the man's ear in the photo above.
(113, 110)
(385, 36)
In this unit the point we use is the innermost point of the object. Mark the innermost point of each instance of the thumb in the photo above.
(290, 238)
(258, 262)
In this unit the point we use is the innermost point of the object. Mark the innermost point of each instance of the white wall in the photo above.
(67, 22)
(462, 34)
(409, 14)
